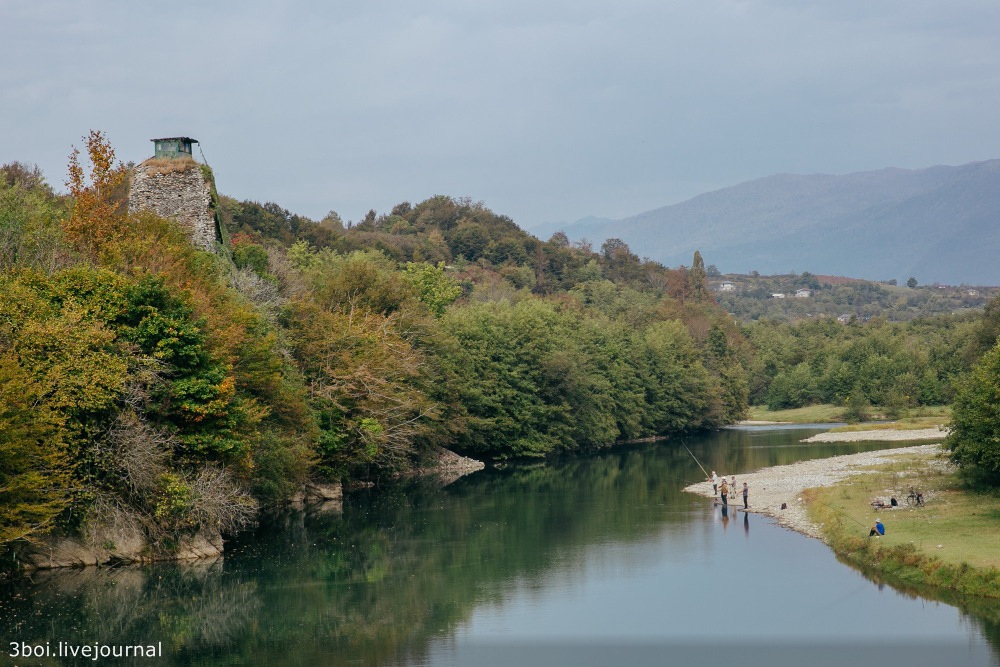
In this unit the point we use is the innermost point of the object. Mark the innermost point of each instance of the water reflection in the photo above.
(405, 570)
(190, 608)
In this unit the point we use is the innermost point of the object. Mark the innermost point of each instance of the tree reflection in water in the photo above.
(399, 570)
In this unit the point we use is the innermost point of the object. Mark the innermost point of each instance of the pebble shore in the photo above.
(886, 435)
(770, 487)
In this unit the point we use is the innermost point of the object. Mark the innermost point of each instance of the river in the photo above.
(593, 560)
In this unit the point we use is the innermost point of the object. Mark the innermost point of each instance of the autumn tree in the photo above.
(98, 200)
(34, 484)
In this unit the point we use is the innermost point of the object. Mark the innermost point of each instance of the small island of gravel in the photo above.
(881, 435)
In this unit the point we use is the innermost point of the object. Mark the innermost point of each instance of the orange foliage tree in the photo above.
(95, 224)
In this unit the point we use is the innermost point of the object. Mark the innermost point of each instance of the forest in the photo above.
(144, 382)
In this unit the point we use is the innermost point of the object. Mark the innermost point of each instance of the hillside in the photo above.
(938, 224)
(158, 393)
(789, 298)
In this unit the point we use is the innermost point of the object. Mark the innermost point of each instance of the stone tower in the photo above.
(172, 185)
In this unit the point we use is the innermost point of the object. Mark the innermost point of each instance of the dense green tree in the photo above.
(468, 241)
(29, 218)
(434, 287)
(975, 437)
(697, 285)
(677, 385)
(988, 331)
(35, 486)
(365, 386)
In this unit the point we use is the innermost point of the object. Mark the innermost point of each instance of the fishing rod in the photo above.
(840, 512)
(686, 481)
(707, 476)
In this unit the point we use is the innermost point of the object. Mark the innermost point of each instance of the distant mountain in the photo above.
(940, 224)
(582, 228)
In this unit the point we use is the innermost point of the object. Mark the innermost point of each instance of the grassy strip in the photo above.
(922, 417)
(952, 543)
(811, 414)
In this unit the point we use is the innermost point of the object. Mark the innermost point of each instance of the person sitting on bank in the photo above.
(878, 530)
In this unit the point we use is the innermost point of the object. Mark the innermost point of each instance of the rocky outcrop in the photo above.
(323, 492)
(176, 189)
(446, 466)
(203, 544)
(320, 498)
(60, 551)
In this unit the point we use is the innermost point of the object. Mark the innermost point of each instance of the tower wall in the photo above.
(180, 192)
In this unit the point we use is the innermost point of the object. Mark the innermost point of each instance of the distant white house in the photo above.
(972, 292)
(777, 295)
(803, 293)
(727, 287)
(844, 319)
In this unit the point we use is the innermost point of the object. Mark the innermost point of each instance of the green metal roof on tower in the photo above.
(174, 147)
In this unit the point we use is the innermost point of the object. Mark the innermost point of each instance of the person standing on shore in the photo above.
(724, 490)
(715, 483)
(746, 492)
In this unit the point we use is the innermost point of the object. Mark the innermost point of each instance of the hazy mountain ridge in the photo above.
(940, 224)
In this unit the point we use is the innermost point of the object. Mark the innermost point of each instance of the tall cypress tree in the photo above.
(697, 285)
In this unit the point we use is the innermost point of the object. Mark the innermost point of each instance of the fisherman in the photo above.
(746, 492)
(724, 490)
(715, 483)
(878, 530)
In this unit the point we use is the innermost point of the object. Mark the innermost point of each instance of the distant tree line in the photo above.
(894, 365)
(860, 299)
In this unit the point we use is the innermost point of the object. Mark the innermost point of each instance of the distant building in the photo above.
(727, 287)
(777, 295)
(803, 293)
(844, 319)
(173, 147)
(972, 292)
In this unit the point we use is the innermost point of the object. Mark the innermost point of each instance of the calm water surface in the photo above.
(583, 561)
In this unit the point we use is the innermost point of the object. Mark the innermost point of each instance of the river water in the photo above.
(595, 560)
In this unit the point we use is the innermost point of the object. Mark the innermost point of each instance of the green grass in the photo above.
(926, 416)
(812, 414)
(965, 523)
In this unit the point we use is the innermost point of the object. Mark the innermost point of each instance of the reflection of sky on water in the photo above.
(773, 585)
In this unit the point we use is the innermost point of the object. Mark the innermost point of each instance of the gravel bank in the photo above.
(770, 487)
(881, 435)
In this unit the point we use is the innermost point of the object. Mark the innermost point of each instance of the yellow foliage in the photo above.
(95, 223)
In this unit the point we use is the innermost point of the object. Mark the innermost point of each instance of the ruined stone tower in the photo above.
(172, 185)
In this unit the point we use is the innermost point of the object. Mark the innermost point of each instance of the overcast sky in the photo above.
(544, 110)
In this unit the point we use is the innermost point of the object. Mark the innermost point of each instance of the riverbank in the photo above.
(951, 543)
(770, 488)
